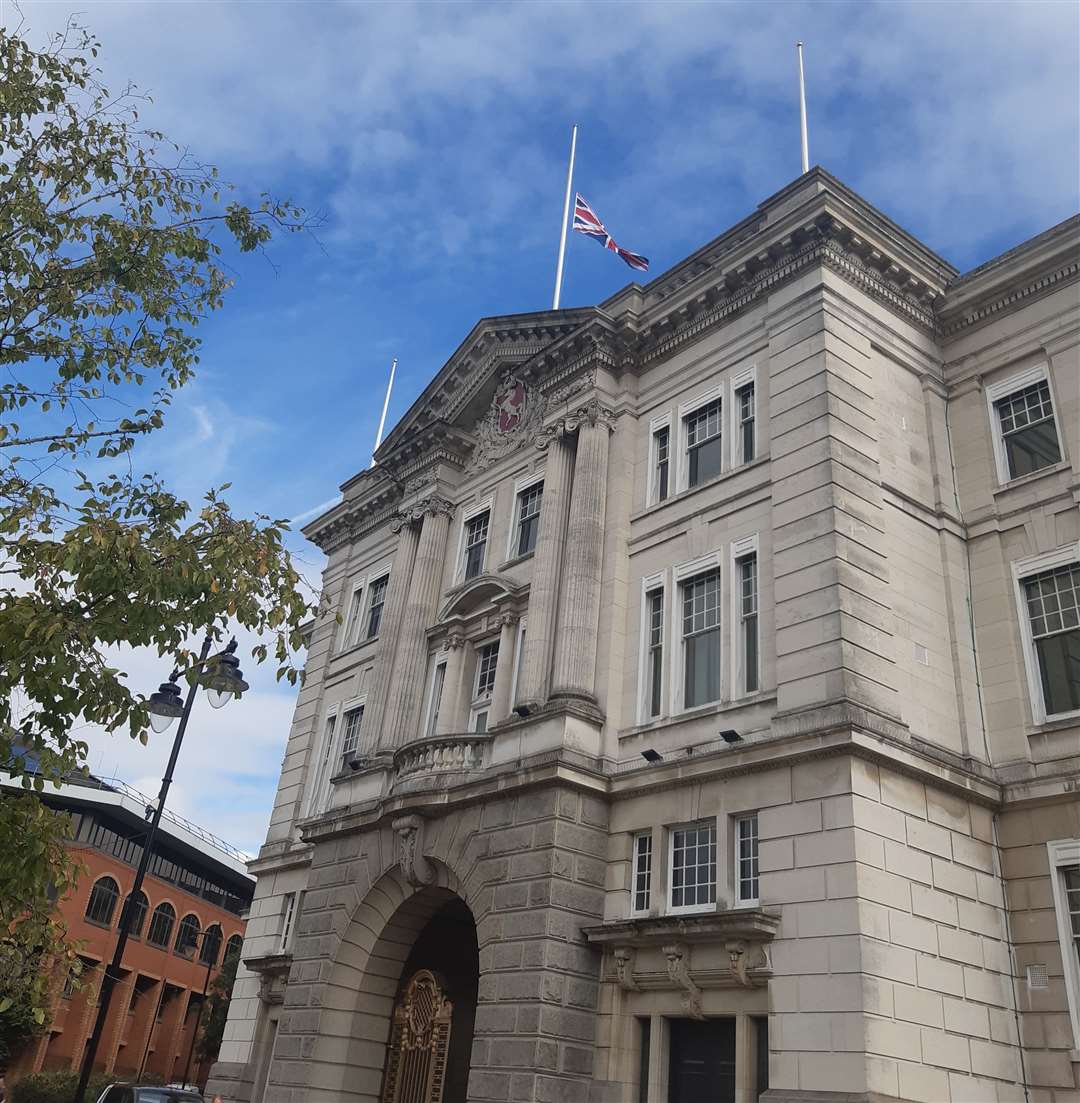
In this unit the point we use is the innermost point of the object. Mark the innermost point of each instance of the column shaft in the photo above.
(543, 590)
(450, 721)
(579, 605)
(389, 632)
(504, 671)
(401, 722)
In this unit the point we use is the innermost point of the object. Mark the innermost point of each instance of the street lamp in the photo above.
(222, 679)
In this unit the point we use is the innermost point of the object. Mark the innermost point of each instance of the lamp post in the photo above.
(222, 680)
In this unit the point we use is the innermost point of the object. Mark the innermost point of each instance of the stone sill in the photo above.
(690, 491)
(269, 964)
(717, 708)
(750, 924)
(354, 650)
(1026, 480)
(513, 561)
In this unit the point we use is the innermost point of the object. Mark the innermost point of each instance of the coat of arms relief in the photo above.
(514, 418)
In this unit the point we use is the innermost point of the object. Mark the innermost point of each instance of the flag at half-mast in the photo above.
(586, 222)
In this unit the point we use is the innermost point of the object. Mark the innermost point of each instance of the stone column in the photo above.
(406, 692)
(390, 629)
(535, 676)
(504, 669)
(579, 604)
(450, 720)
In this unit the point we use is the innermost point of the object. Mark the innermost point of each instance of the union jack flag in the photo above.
(586, 222)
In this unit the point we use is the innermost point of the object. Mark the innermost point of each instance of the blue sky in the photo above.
(434, 139)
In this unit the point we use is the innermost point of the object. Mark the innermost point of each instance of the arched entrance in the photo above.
(427, 1059)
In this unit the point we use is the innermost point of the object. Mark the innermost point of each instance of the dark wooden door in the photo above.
(702, 1061)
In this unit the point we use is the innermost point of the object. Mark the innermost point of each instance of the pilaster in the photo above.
(450, 708)
(579, 607)
(410, 659)
(544, 588)
(504, 670)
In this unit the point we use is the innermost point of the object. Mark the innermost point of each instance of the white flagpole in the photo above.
(565, 220)
(385, 407)
(802, 111)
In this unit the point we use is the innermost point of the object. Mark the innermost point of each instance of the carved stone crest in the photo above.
(415, 868)
(515, 415)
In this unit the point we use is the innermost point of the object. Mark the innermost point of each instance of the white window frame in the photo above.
(995, 393)
(748, 545)
(677, 682)
(1022, 569)
(358, 702)
(1066, 852)
(685, 410)
(663, 421)
(669, 892)
(486, 506)
(479, 704)
(648, 585)
(373, 581)
(519, 649)
(741, 901)
(349, 622)
(319, 790)
(288, 916)
(650, 892)
(521, 485)
(440, 658)
(738, 381)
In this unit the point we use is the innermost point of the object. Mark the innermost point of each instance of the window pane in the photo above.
(438, 677)
(702, 668)
(654, 605)
(703, 443)
(705, 461)
(487, 660)
(102, 902)
(476, 532)
(375, 608)
(1027, 425)
(1072, 902)
(350, 742)
(1059, 670)
(529, 503)
(745, 396)
(642, 873)
(748, 608)
(747, 856)
(662, 438)
(693, 866)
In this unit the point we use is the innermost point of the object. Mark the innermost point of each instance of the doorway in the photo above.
(702, 1061)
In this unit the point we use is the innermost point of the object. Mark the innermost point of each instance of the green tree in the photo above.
(112, 247)
(216, 1009)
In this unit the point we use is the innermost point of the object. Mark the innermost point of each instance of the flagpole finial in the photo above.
(802, 109)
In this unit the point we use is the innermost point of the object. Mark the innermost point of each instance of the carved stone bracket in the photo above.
(623, 957)
(413, 514)
(415, 868)
(679, 970)
(745, 957)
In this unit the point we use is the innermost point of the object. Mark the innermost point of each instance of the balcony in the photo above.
(442, 754)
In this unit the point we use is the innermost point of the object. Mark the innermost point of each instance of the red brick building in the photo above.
(197, 892)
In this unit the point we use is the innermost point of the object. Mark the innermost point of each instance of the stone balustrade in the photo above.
(441, 754)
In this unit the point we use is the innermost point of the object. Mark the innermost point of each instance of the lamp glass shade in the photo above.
(222, 678)
(218, 697)
(160, 722)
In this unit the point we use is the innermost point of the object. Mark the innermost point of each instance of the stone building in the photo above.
(703, 722)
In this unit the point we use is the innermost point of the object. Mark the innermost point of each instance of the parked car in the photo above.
(145, 1093)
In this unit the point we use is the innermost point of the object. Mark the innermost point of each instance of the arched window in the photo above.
(161, 925)
(102, 904)
(187, 936)
(234, 946)
(139, 906)
(211, 945)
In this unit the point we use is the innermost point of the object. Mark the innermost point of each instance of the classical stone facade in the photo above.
(703, 717)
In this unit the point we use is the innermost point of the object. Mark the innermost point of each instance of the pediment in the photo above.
(478, 593)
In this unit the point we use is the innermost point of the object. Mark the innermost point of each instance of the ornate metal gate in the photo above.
(419, 1043)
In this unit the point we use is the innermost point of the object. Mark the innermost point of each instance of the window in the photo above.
(1064, 857)
(138, 907)
(487, 659)
(352, 623)
(654, 656)
(661, 463)
(438, 679)
(102, 902)
(233, 947)
(1029, 437)
(744, 413)
(287, 915)
(376, 601)
(1053, 609)
(161, 925)
(187, 935)
(642, 887)
(693, 867)
(476, 534)
(528, 523)
(746, 859)
(746, 578)
(701, 639)
(703, 443)
(211, 945)
(354, 718)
